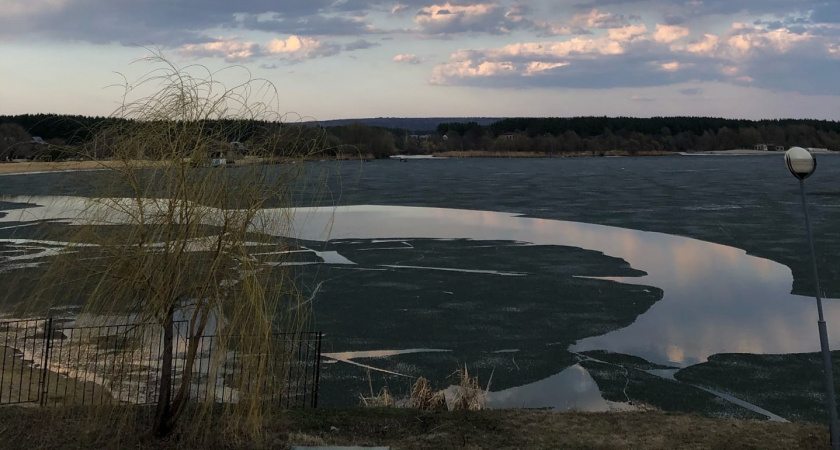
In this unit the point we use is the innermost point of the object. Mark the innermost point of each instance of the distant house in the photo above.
(25, 150)
(769, 147)
(220, 154)
(508, 136)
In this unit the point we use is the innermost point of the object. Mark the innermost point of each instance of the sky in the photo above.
(332, 59)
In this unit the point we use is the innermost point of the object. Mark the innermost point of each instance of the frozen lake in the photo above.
(526, 269)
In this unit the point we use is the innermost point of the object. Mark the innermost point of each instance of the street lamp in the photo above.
(802, 165)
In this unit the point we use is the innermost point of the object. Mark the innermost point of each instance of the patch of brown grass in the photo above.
(383, 399)
(469, 396)
(37, 428)
(424, 397)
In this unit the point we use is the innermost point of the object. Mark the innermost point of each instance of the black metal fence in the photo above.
(46, 362)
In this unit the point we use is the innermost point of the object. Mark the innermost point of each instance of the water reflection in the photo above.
(716, 298)
(572, 388)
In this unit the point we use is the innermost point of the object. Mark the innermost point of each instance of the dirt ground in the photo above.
(400, 428)
(22, 383)
(35, 166)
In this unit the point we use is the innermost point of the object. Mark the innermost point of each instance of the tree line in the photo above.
(668, 134)
(587, 135)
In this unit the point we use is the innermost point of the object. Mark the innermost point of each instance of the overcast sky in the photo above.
(367, 58)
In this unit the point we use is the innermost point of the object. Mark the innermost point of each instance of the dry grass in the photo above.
(424, 397)
(384, 399)
(469, 396)
(409, 429)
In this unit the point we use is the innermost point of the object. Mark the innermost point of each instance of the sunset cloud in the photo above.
(597, 19)
(297, 48)
(632, 56)
(779, 46)
(447, 19)
(407, 58)
(667, 34)
(232, 49)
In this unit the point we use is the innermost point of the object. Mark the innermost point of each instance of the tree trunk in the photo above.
(178, 404)
(164, 406)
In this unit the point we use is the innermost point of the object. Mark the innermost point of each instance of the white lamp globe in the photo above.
(800, 162)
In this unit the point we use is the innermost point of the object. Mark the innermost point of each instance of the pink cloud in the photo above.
(232, 49)
(667, 34)
(297, 48)
(408, 58)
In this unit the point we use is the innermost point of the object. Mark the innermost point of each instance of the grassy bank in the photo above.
(489, 154)
(59, 166)
(398, 428)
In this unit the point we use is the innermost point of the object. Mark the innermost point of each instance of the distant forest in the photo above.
(557, 136)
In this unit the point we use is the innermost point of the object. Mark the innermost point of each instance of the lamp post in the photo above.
(802, 165)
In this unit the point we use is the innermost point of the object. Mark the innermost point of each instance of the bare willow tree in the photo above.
(178, 242)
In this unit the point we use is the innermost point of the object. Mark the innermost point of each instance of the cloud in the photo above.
(581, 24)
(672, 66)
(543, 63)
(317, 25)
(399, 8)
(628, 33)
(670, 33)
(408, 58)
(447, 19)
(774, 44)
(547, 29)
(705, 8)
(161, 22)
(537, 67)
(708, 45)
(595, 19)
(170, 23)
(297, 48)
(232, 49)
(359, 44)
(23, 8)
(292, 49)
(691, 91)
(632, 56)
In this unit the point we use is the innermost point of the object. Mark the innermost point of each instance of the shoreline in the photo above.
(22, 383)
(38, 167)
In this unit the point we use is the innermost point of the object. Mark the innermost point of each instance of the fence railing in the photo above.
(43, 361)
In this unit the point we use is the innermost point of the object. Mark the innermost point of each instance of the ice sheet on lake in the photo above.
(717, 299)
(451, 269)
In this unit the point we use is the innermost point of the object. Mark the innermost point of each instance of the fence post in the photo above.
(48, 337)
(317, 372)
